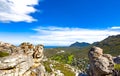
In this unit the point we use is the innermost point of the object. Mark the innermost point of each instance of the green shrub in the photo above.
(64, 58)
(117, 67)
(70, 59)
(3, 54)
(47, 67)
(65, 70)
(58, 66)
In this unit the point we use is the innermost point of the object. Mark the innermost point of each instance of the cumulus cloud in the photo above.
(17, 10)
(65, 35)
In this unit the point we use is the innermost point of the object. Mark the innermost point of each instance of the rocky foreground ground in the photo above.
(28, 60)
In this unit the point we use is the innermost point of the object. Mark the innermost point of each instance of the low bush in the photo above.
(3, 54)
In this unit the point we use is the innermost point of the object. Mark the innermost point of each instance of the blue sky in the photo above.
(58, 22)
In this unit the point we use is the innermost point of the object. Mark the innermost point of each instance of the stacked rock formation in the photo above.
(25, 60)
(100, 64)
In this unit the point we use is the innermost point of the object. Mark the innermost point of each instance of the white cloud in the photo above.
(115, 27)
(66, 35)
(60, 36)
(17, 10)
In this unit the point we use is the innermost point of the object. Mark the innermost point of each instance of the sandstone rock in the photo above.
(5, 44)
(27, 48)
(35, 51)
(39, 71)
(38, 52)
(15, 65)
(24, 60)
(100, 64)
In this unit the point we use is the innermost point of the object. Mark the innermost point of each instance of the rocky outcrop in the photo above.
(25, 60)
(100, 64)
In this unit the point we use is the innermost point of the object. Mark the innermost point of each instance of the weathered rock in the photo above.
(24, 60)
(27, 48)
(35, 51)
(12, 61)
(15, 65)
(38, 51)
(39, 71)
(100, 64)
(5, 44)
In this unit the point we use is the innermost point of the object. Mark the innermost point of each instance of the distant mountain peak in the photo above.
(79, 44)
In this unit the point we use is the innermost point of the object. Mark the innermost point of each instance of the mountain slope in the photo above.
(110, 45)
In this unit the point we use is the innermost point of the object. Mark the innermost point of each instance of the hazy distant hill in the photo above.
(78, 44)
(110, 45)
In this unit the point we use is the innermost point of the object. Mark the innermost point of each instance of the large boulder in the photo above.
(100, 64)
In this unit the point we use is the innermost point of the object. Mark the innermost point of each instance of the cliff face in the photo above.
(24, 60)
